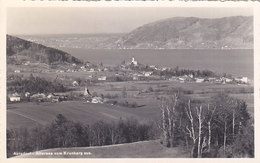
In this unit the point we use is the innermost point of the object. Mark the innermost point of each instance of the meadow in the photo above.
(145, 94)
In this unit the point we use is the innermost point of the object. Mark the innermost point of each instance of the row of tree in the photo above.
(181, 72)
(65, 133)
(221, 128)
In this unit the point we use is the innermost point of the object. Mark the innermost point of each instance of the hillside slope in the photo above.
(145, 149)
(19, 51)
(181, 32)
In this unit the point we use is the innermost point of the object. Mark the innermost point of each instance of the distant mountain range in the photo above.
(19, 50)
(172, 33)
(181, 32)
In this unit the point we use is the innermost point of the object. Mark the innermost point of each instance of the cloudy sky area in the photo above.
(101, 20)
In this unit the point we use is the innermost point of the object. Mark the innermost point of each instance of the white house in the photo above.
(51, 95)
(15, 98)
(102, 78)
(199, 80)
(91, 70)
(96, 100)
(242, 80)
(27, 94)
(17, 71)
(75, 83)
(148, 74)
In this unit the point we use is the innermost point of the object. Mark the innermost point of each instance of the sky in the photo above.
(30, 21)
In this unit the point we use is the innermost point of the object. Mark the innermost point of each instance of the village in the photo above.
(131, 71)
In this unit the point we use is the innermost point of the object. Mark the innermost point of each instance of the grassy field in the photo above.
(32, 114)
(145, 149)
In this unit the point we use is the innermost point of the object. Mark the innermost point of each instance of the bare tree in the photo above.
(191, 129)
(168, 119)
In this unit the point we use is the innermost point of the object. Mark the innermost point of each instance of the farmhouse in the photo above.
(27, 94)
(146, 74)
(226, 80)
(102, 78)
(243, 80)
(135, 77)
(15, 97)
(153, 67)
(17, 71)
(53, 98)
(96, 100)
(75, 84)
(38, 97)
(92, 70)
(199, 80)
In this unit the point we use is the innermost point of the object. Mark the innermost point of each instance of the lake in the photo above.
(235, 62)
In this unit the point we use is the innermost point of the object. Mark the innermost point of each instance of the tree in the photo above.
(168, 119)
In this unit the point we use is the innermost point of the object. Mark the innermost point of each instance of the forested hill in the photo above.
(19, 50)
(190, 32)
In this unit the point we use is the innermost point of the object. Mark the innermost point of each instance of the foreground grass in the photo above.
(144, 149)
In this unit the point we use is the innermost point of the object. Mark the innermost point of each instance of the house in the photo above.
(164, 68)
(211, 79)
(60, 96)
(181, 78)
(53, 98)
(15, 97)
(135, 77)
(51, 95)
(243, 80)
(38, 97)
(75, 84)
(153, 67)
(96, 100)
(102, 78)
(91, 70)
(226, 80)
(148, 74)
(27, 94)
(27, 63)
(199, 80)
(17, 71)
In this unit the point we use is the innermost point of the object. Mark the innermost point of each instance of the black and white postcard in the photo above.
(113, 80)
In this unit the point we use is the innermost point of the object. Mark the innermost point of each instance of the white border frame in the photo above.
(70, 3)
